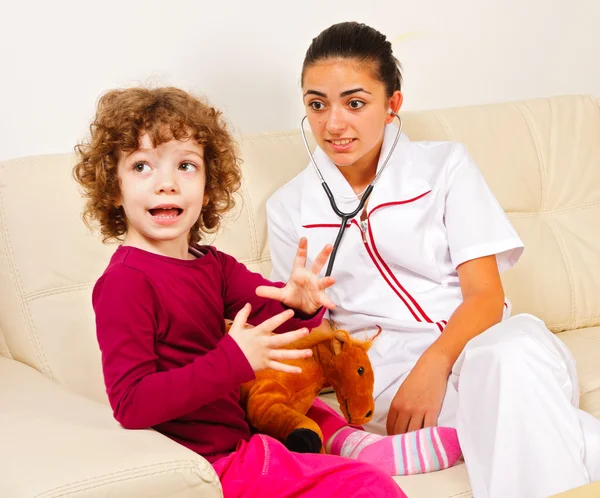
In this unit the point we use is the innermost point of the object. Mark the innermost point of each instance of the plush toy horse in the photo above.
(276, 403)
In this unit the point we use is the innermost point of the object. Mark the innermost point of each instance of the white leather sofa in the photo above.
(57, 434)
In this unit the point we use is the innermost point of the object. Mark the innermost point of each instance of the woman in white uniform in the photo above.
(422, 260)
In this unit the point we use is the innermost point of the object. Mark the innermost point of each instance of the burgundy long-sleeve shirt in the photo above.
(166, 361)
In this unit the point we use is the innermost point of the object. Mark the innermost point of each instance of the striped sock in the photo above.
(417, 452)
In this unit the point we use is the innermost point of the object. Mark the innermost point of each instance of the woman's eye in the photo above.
(139, 167)
(187, 166)
(317, 106)
(356, 104)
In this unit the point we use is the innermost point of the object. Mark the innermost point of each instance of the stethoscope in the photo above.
(345, 217)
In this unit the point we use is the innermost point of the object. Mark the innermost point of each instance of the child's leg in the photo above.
(416, 452)
(264, 467)
(327, 419)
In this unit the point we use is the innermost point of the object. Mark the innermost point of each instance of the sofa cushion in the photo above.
(585, 346)
(540, 158)
(58, 444)
(448, 483)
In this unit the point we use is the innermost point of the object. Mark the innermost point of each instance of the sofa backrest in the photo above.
(540, 157)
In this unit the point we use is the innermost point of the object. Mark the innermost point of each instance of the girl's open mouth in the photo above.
(166, 212)
(165, 215)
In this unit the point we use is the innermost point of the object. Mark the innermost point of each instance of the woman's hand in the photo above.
(305, 290)
(418, 402)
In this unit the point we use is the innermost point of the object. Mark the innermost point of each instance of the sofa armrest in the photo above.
(54, 443)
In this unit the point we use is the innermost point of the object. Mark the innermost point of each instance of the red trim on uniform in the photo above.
(444, 322)
(325, 225)
(377, 261)
(393, 203)
(505, 305)
(412, 299)
(386, 278)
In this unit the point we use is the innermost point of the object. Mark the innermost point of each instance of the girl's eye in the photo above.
(140, 167)
(317, 106)
(356, 104)
(187, 166)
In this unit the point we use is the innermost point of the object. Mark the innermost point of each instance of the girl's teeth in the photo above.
(341, 142)
(165, 212)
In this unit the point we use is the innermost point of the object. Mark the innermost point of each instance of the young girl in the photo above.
(422, 260)
(160, 169)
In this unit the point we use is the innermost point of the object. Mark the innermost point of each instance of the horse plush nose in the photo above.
(358, 410)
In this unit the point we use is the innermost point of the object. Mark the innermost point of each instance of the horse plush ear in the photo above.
(338, 340)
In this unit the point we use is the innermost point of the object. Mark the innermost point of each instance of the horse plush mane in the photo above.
(322, 333)
(276, 403)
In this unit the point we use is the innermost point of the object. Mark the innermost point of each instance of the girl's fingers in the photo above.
(282, 367)
(326, 282)
(277, 341)
(241, 316)
(321, 259)
(274, 322)
(300, 259)
(299, 276)
(289, 354)
(325, 301)
(270, 292)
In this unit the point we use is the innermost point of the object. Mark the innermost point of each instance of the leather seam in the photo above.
(56, 290)
(445, 127)
(63, 289)
(34, 341)
(267, 135)
(529, 214)
(573, 325)
(4, 351)
(535, 139)
(251, 219)
(127, 475)
(567, 263)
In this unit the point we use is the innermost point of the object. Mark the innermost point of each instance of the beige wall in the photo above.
(57, 57)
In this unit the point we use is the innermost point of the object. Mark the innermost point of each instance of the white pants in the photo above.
(513, 397)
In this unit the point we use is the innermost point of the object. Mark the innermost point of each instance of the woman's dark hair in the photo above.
(352, 40)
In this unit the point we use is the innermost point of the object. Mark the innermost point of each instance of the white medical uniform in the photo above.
(513, 394)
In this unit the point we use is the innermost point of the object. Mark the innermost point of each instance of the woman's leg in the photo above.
(264, 467)
(517, 415)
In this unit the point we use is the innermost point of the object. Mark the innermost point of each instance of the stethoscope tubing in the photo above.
(346, 217)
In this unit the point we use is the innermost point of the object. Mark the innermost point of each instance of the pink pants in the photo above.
(263, 468)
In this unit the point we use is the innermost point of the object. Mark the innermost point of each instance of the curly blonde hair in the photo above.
(122, 117)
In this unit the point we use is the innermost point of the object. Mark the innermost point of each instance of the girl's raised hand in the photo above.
(305, 290)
